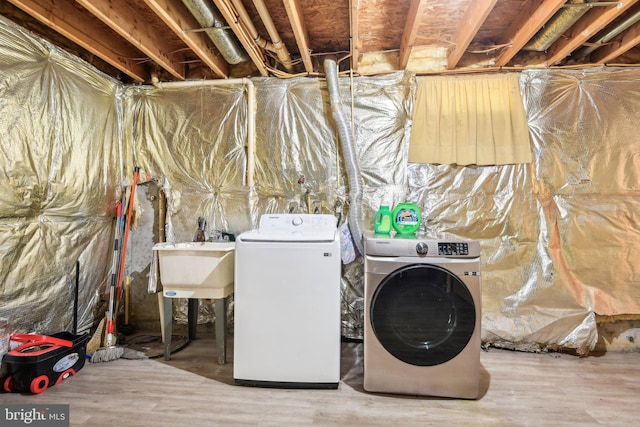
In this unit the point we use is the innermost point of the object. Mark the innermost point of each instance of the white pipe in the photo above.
(253, 32)
(281, 48)
(611, 34)
(251, 113)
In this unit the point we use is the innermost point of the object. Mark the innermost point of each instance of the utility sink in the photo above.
(196, 269)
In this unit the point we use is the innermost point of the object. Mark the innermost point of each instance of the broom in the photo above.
(109, 351)
(96, 339)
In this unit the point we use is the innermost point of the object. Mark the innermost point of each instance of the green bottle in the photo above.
(382, 221)
(406, 218)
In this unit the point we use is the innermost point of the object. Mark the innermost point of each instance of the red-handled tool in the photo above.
(136, 176)
(109, 339)
(33, 340)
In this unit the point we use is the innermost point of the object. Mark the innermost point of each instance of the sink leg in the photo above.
(220, 310)
(168, 317)
(192, 317)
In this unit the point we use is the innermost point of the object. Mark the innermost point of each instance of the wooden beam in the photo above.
(296, 19)
(356, 44)
(471, 22)
(532, 18)
(588, 26)
(63, 17)
(178, 18)
(411, 26)
(118, 15)
(630, 38)
(230, 15)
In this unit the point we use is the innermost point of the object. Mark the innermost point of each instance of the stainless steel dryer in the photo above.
(422, 316)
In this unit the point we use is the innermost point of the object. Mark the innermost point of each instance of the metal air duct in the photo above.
(349, 153)
(222, 37)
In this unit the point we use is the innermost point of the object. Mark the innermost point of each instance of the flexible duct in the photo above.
(223, 39)
(348, 151)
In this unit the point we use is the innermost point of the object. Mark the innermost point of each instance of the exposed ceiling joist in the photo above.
(63, 17)
(118, 15)
(411, 27)
(473, 19)
(185, 39)
(294, 12)
(630, 39)
(230, 15)
(179, 20)
(594, 21)
(355, 45)
(533, 17)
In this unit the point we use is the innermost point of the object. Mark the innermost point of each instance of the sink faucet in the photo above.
(200, 237)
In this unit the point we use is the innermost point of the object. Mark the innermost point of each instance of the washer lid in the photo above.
(294, 228)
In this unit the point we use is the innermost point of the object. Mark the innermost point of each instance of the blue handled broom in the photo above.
(110, 351)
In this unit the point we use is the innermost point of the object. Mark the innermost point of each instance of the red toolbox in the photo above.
(42, 361)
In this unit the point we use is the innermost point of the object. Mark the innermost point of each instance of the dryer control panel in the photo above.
(390, 246)
(453, 248)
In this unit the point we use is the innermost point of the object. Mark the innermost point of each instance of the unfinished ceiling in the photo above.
(215, 39)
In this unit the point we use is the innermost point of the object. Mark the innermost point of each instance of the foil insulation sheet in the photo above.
(60, 155)
(560, 237)
(193, 141)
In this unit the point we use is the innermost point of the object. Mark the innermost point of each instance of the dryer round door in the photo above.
(423, 314)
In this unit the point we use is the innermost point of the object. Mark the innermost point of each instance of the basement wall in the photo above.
(559, 237)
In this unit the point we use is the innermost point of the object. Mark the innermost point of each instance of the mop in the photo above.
(110, 351)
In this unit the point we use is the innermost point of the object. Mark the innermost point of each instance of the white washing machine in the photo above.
(287, 303)
(422, 316)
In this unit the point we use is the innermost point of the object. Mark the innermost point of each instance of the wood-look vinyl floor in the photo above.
(518, 389)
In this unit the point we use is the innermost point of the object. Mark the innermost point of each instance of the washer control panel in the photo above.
(297, 223)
